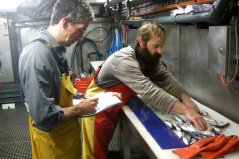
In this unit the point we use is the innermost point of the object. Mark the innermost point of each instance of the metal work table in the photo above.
(132, 124)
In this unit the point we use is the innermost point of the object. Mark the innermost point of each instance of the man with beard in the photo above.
(136, 70)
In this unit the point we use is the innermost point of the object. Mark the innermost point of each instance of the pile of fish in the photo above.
(188, 133)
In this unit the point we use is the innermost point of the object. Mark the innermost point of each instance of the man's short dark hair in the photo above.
(77, 10)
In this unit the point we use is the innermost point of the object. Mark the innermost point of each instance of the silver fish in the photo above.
(203, 113)
(210, 120)
(168, 123)
(222, 124)
(217, 131)
(179, 119)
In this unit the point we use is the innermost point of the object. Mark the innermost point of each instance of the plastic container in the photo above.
(82, 84)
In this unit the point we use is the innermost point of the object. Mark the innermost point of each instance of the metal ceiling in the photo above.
(30, 9)
(35, 10)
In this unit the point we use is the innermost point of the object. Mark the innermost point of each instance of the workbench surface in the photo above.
(151, 147)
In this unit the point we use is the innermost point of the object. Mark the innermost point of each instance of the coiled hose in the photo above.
(78, 63)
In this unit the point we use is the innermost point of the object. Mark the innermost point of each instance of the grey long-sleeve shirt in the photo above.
(160, 90)
(40, 80)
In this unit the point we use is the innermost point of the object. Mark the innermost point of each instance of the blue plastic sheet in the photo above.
(155, 126)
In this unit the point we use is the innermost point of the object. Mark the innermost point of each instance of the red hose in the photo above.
(224, 82)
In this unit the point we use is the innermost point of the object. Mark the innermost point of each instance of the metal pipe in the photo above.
(185, 18)
(212, 17)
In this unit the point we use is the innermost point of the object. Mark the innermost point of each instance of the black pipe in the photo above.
(212, 17)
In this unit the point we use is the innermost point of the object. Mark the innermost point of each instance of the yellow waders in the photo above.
(64, 141)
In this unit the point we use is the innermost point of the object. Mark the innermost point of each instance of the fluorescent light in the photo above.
(10, 5)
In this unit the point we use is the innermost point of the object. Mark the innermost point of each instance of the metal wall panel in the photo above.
(6, 69)
(203, 84)
(218, 48)
(186, 54)
(172, 51)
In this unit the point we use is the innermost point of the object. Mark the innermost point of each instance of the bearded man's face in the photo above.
(151, 52)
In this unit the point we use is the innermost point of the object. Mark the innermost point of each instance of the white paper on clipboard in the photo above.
(106, 101)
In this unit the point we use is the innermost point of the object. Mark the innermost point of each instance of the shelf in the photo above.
(137, 2)
(172, 6)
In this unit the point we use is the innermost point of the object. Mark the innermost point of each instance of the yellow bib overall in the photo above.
(64, 141)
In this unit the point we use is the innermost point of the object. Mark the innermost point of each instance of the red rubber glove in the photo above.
(191, 151)
(217, 144)
(231, 145)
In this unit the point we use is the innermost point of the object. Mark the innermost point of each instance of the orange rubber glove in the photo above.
(191, 151)
(217, 144)
(231, 145)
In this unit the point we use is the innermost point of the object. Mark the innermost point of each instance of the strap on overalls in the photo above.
(64, 141)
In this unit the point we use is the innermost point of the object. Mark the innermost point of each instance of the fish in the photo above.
(222, 124)
(203, 113)
(210, 120)
(180, 118)
(216, 130)
(178, 131)
(169, 124)
(188, 133)
(213, 122)
(181, 124)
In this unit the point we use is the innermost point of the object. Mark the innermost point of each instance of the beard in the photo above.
(148, 62)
